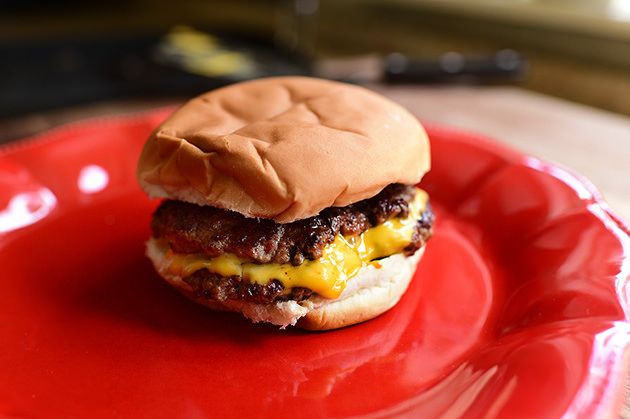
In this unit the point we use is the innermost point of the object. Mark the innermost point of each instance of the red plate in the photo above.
(517, 309)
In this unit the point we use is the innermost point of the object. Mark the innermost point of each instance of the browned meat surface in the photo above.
(189, 228)
(211, 286)
(215, 287)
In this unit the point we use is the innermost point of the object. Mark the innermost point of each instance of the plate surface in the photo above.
(516, 310)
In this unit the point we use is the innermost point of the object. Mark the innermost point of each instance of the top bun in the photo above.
(283, 148)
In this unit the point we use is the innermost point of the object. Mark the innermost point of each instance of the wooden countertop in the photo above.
(591, 142)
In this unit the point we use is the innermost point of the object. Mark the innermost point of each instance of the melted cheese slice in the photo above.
(328, 275)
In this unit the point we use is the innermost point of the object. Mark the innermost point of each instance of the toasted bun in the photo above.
(370, 293)
(283, 148)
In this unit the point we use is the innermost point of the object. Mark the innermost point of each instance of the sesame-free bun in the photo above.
(373, 291)
(283, 148)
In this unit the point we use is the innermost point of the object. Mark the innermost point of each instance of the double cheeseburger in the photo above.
(290, 200)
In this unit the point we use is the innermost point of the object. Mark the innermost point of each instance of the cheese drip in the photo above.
(328, 275)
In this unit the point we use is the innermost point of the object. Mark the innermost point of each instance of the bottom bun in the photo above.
(373, 291)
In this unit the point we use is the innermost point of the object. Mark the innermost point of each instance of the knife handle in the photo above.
(504, 64)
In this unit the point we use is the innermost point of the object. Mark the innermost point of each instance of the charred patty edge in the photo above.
(214, 287)
(189, 228)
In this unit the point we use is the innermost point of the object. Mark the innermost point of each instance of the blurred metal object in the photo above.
(504, 65)
(295, 27)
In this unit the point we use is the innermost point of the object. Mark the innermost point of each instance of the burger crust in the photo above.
(373, 291)
(283, 148)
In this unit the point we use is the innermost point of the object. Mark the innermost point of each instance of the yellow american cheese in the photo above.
(327, 276)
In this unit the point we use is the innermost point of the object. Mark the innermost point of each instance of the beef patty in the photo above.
(190, 228)
(212, 286)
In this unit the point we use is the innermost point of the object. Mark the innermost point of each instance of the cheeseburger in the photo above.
(291, 200)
